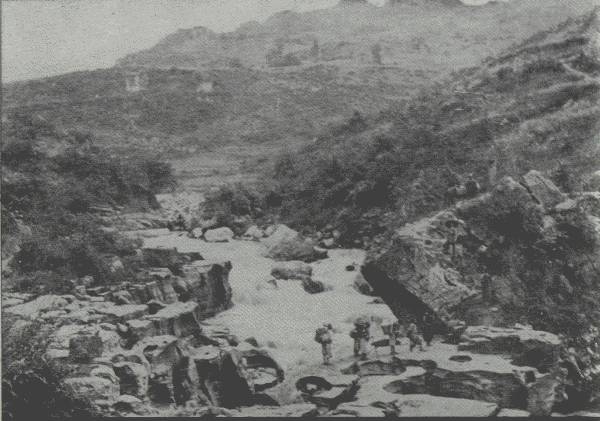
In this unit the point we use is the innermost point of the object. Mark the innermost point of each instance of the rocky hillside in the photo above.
(533, 107)
(227, 101)
(421, 35)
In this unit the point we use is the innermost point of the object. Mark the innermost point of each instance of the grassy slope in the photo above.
(256, 110)
(535, 107)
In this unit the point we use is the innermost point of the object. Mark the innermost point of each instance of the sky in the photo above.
(49, 37)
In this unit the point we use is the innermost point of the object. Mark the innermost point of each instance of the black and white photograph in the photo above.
(300, 208)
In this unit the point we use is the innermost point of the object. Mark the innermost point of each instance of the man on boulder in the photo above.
(451, 236)
(323, 335)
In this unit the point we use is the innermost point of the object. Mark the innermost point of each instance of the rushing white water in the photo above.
(285, 319)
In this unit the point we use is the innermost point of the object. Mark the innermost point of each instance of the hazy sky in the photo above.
(42, 38)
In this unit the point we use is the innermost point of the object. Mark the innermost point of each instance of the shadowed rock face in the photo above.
(414, 274)
(233, 378)
(523, 252)
(328, 392)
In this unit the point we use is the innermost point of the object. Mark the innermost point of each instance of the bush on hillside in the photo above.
(32, 386)
(54, 195)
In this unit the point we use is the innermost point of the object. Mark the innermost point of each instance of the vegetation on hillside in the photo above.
(32, 387)
(52, 184)
(532, 108)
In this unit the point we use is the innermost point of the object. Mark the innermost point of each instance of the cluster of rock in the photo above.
(298, 270)
(416, 266)
(416, 272)
(281, 242)
(136, 347)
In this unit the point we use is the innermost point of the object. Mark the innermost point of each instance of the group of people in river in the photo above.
(361, 336)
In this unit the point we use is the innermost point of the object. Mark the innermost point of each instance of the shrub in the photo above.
(32, 385)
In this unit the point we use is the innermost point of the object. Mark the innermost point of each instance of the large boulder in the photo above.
(543, 189)
(233, 378)
(413, 274)
(162, 353)
(291, 270)
(218, 235)
(93, 388)
(286, 244)
(177, 319)
(207, 283)
(82, 343)
(253, 233)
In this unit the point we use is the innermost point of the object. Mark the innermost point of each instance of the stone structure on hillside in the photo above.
(136, 81)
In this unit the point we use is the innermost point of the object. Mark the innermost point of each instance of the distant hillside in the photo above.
(535, 106)
(437, 35)
(226, 102)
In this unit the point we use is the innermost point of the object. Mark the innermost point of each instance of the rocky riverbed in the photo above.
(223, 337)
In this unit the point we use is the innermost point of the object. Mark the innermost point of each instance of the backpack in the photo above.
(320, 334)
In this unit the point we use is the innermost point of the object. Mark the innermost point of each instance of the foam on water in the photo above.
(288, 316)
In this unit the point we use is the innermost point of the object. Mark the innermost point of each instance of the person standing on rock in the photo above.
(428, 327)
(356, 338)
(451, 237)
(393, 332)
(361, 336)
(323, 335)
(413, 336)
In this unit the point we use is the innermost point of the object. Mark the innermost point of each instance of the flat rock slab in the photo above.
(435, 406)
(122, 313)
(33, 308)
(292, 410)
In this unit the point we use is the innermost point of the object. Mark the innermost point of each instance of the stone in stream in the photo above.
(286, 244)
(313, 286)
(218, 235)
(253, 233)
(291, 270)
